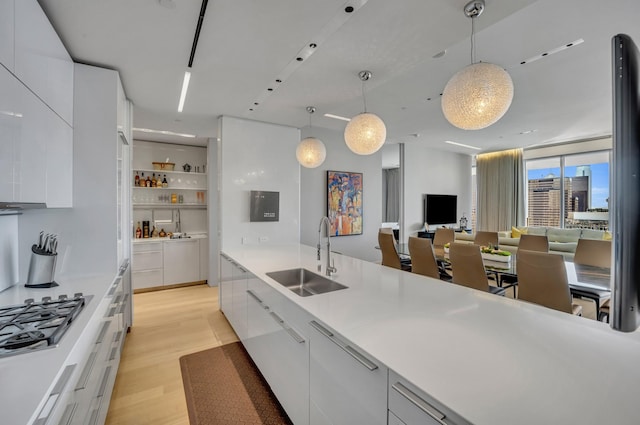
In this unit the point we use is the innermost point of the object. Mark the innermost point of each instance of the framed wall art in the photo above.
(344, 202)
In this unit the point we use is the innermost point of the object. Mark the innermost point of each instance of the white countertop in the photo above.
(491, 359)
(27, 379)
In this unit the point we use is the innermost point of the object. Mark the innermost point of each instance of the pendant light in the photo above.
(479, 94)
(311, 151)
(366, 133)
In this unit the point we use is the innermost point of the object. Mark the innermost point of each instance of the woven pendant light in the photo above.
(311, 152)
(366, 133)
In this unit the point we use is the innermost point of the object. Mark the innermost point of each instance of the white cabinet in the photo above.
(36, 148)
(239, 300)
(41, 60)
(181, 261)
(147, 265)
(204, 259)
(224, 286)
(6, 34)
(346, 385)
(410, 406)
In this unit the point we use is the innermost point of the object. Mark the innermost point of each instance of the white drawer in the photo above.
(147, 278)
(147, 246)
(146, 260)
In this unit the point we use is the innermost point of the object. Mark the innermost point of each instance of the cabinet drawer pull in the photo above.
(417, 401)
(114, 352)
(112, 311)
(276, 317)
(255, 297)
(67, 416)
(103, 331)
(118, 336)
(295, 335)
(54, 396)
(84, 377)
(326, 332)
(103, 384)
(359, 357)
(146, 271)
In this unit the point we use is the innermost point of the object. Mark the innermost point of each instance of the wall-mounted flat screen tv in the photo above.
(440, 209)
(625, 190)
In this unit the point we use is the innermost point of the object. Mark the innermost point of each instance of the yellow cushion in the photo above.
(515, 232)
(607, 236)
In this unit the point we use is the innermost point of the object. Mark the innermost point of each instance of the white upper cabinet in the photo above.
(41, 60)
(10, 123)
(6, 34)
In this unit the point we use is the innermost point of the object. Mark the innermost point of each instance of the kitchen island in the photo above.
(485, 359)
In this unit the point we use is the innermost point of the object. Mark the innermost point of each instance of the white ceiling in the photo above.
(245, 45)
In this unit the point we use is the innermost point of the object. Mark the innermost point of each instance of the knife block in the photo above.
(41, 269)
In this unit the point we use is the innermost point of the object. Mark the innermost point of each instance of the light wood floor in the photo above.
(167, 325)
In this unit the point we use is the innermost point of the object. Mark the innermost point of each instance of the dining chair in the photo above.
(542, 280)
(538, 243)
(468, 268)
(443, 236)
(604, 311)
(423, 260)
(390, 257)
(593, 252)
(486, 239)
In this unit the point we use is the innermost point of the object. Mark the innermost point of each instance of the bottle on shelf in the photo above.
(154, 182)
(138, 231)
(148, 182)
(137, 180)
(165, 183)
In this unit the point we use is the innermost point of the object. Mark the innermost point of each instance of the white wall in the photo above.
(258, 156)
(432, 171)
(313, 195)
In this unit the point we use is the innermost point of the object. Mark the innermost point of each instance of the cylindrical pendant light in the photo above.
(366, 133)
(480, 94)
(311, 151)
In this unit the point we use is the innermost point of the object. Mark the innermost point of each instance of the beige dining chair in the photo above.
(542, 280)
(538, 243)
(423, 260)
(486, 238)
(443, 236)
(593, 252)
(390, 257)
(604, 312)
(468, 268)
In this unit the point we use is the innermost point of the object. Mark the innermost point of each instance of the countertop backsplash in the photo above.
(8, 251)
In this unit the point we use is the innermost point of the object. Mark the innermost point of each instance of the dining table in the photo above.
(589, 282)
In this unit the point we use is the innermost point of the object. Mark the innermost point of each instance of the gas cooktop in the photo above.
(36, 325)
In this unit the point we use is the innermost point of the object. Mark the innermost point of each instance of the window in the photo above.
(569, 191)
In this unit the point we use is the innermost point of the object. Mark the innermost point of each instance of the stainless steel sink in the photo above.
(304, 282)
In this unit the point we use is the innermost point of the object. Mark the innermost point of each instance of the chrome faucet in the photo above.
(327, 225)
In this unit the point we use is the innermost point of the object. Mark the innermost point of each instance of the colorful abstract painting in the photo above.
(344, 202)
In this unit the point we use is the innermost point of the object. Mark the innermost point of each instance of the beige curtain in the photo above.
(501, 190)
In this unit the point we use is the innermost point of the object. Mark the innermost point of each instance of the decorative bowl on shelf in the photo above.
(164, 166)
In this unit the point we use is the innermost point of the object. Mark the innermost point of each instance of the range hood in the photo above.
(11, 208)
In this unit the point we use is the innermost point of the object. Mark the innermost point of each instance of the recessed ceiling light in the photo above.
(183, 93)
(163, 132)
(337, 117)
(463, 145)
(552, 51)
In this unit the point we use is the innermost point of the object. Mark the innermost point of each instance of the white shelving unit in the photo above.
(192, 187)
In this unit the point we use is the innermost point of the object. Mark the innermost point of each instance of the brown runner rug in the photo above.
(223, 386)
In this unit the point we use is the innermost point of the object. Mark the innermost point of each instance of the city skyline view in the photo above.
(599, 180)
